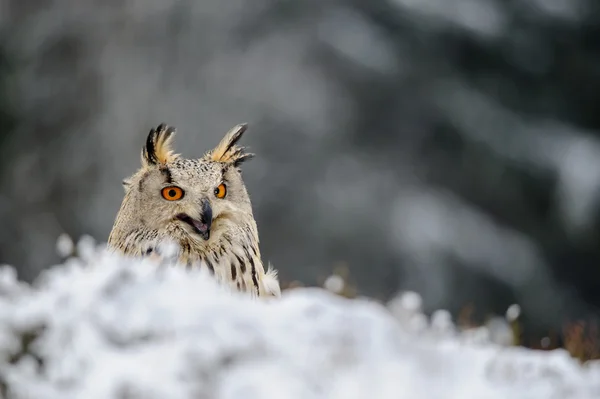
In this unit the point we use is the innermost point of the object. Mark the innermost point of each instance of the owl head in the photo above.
(202, 198)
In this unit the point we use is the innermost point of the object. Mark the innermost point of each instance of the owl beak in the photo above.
(200, 226)
(206, 218)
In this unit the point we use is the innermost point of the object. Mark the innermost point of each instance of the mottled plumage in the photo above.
(200, 204)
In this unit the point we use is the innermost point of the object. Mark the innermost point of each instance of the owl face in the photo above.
(196, 195)
(202, 198)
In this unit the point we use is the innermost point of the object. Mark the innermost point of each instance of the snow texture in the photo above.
(101, 326)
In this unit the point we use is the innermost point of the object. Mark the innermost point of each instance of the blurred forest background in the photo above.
(450, 147)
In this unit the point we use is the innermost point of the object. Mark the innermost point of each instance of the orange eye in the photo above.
(172, 193)
(221, 191)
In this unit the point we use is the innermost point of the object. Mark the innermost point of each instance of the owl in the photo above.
(201, 205)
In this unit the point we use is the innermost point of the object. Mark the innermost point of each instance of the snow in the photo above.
(513, 312)
(102, 326)
(64, 245)
(334, 283)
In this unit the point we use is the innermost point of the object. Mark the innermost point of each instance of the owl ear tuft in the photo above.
(158, 148)
(227, 151)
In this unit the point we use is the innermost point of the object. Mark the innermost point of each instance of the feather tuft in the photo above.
(158, 148)
(271, 283)
(227, 151)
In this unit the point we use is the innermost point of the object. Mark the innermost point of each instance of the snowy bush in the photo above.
(101, 326)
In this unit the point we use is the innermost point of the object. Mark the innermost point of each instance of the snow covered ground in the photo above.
(101, 327)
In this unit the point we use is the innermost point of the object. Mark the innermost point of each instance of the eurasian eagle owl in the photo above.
(200, 204)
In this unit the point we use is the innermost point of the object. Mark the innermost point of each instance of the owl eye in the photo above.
(221, 191)
(172, 193)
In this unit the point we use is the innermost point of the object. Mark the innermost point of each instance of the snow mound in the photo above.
(102, 326)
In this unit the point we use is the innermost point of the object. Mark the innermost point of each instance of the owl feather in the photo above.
(158, 146)
(227, 151)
